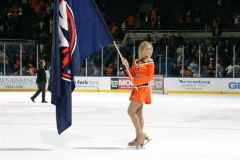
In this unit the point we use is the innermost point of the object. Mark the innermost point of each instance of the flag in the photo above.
(78, 32)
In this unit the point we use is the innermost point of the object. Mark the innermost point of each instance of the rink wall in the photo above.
(202, 85)
(123, 84)
(83, 84)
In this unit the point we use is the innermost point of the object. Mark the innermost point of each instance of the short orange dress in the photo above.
(142, 74)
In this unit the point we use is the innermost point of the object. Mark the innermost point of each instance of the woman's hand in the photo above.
(125, 62)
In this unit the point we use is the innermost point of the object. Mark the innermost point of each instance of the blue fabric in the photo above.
(78, 32)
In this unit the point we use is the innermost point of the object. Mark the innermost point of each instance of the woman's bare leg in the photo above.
(140, 116)
(141, 121)
(142, 136)
(132, 112)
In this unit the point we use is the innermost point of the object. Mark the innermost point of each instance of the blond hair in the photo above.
(142, 46)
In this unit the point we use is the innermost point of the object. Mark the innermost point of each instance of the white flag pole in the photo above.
(122, 59)
(127, 67)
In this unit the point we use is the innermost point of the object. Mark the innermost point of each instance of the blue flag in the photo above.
(78, 32)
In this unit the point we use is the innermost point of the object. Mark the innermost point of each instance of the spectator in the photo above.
(211, 70)
(179, 40)
(174, 71)
(2, 61)
(109, 71)
(197, 16)
(130, 22)
(187, 72)
(237, 70)
(123, 28)
(194, 68)
(114, 29)
(153, 17)
(31, 70)
(220, 70)
(216, 29)
(236, 23)
(2, 58)
(189, 17)
(229, 70)
(204, 71)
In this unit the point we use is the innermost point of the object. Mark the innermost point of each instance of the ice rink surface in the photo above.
(182, 127)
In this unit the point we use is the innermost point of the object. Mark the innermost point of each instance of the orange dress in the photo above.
(142, 74)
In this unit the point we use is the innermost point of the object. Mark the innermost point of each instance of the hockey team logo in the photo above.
(67, 38)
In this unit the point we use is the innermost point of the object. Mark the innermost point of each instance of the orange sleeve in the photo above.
(145, 79)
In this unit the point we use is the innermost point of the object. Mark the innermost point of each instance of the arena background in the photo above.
(192, 39)
(196, 51)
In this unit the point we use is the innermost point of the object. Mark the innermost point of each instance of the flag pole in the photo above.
(127, 67)
(113, 41)
(122, 59)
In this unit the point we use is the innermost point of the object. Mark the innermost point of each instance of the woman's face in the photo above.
(147, 51)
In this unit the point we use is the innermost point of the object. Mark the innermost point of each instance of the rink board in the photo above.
(83, 84)
(123, 84)
(202, 85)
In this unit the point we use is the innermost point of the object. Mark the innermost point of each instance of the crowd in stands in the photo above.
(215, 58)
(13, 60)
(26, 19)
(177, 15)
(213, 15)
(33, 19)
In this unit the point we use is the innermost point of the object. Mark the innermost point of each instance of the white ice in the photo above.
(182, 127)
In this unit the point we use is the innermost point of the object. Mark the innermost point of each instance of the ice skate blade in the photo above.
(135, 147)
(146, 142)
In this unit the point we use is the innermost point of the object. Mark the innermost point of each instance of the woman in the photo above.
(142, 73)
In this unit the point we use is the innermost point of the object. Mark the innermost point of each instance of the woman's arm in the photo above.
(146, 78)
